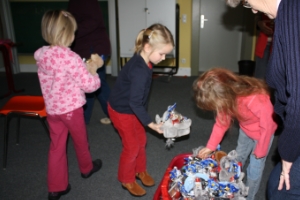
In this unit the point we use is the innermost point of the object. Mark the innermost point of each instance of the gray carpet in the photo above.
(25, 176)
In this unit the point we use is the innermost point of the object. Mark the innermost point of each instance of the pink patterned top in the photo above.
(64, 79)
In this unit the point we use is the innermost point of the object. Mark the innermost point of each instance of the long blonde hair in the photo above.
(154, 35)
(217, 90)
(58, 27)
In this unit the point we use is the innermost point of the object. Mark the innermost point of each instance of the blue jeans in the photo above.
(294, 192)
(101, 94)
(245, 147)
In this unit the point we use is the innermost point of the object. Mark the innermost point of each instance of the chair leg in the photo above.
(18, 129)
(44, 122)
(5, 140)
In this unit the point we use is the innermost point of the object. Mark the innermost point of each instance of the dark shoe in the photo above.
(146, 179)
(57, 195)
(134, 189)
(97, 164)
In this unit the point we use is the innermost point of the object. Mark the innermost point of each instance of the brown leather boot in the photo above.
(146, 179)
(134, 188)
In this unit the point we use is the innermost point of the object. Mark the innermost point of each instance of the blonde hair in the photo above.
(217, 90)
(154, 35)
(58, 27)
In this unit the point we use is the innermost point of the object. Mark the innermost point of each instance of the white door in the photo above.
(164, 12)
(221, 29)
(132, 19)
(135, 15)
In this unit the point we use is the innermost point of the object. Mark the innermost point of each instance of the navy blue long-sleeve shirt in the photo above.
(131, 90)
(283, 74)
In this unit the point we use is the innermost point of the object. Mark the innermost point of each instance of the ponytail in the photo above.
(154, 35)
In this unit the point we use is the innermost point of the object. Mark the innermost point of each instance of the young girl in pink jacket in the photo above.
(246, 99)
(64, 80)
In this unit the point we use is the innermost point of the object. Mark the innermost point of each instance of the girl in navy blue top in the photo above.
(127, 105)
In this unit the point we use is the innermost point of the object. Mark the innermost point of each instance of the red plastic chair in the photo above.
(22, 106)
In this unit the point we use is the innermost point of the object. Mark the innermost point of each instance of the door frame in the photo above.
(8, 32)
(248, 40)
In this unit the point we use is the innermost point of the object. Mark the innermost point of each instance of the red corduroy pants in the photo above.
(60, 126)
(133, 135)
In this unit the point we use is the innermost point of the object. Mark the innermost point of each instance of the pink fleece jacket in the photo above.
(64, 79)
(258, 123)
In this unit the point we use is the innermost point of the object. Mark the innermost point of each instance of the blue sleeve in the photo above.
(140, 83)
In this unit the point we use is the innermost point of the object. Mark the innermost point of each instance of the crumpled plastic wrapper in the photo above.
(174, 125)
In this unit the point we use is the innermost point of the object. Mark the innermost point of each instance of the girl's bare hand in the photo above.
(97, 60)
(203, 153)
(156, 127)
(92, 67)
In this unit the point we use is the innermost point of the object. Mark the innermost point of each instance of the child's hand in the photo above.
(97, 60)
(156, 127)
(203, 153)
(94, 63)
(92, 67)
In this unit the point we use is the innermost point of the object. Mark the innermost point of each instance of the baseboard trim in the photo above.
(182, 71)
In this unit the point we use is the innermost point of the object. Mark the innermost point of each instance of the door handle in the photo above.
(202, 20)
